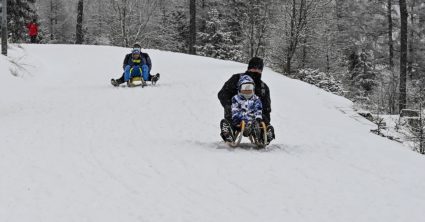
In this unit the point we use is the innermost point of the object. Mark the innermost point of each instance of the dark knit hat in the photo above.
(137, 45)
(256, 62)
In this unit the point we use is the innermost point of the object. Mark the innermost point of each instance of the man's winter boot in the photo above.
(226, 131)
(114, 82)
(248, 129)
(155, 78)
(270, 133)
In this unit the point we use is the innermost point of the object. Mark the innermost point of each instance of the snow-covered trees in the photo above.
(361, 77)
(129, 21)
(56, 20)
(215, 38)
(253, 17)
(19, 14)
(320, 79)
(372, 47)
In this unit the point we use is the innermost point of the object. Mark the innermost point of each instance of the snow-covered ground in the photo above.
(74, 148)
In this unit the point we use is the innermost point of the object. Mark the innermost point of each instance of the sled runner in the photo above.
(237, 136)
(256, 133)
(136, 81)
(259, 135)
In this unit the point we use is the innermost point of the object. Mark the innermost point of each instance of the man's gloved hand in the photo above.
(266, 119)
(259, 120)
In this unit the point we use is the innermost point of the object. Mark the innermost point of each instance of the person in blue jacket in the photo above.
(136, 63)
(136, 66)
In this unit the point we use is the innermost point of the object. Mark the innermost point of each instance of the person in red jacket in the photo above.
(33, 31)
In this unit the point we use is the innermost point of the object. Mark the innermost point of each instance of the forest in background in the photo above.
(370, 51)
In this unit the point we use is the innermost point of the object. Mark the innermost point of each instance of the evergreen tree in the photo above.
(320, 79)
(215, 40)
(19, 14)
(174, 32)
(361, 79)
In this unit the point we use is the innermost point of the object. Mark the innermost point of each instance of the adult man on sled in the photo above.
(231, 88)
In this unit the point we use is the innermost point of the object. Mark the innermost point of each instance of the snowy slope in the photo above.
(73, 148)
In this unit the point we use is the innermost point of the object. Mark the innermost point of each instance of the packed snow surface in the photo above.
(74, 148)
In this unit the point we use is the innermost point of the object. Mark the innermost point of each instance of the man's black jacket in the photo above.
(230, 89)
(145, 60)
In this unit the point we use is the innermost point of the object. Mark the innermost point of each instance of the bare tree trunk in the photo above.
(328, 61)
(297, 26)
(304, 54)
(251, 38)
(124, 27)
(390, 35)
(53, 12)
(421, 130)
(303, 17)
(363, 57)
(339, 14)
(403, 55)
(421, 22)
(51, 20)
(411, 48)
(122, 12)
(192, 32)
(291, 38)
(79, 29)
(393, 85)
(3, 25)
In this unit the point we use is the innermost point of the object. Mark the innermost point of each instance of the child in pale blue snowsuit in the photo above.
(246, 105)
(137, 66)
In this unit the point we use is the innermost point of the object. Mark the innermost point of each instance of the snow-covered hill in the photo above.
(74, 148)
